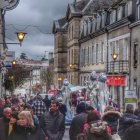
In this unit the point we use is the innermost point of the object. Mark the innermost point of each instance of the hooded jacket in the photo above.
(97, 131)
(111, 117)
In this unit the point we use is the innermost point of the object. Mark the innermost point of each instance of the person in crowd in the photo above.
(128, 119)
(97, 129)
(77, 122)
(111, 117)
(2, 105)
(53, 122)
(88, 110)
(31, 100)
(47, 102)
(25, 129)
(7, 102)
(62, 106)
(132, 133)
(137, 110)
(14, 99)
(4, 122)
(80, 107)
(27, 107)
(38, 107)
(12, 122)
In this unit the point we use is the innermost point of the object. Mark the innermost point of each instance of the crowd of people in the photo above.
(90, 125)
(44, 119)
(37, 119)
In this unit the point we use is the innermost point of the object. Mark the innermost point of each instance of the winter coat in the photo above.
(97, 131)
(137, 112)
(128, 119)
(132, 133)
(3, 128)
(111, 117)
(76, 125)
(53, 125)
(23, 133)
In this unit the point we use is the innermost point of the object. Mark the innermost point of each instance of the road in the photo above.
(66, 136)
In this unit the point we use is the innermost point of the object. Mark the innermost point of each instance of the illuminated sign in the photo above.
(116, 80)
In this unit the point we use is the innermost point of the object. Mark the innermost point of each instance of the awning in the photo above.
(76, 88)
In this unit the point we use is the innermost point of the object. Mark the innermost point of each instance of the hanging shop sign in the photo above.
(116, 80)
(130, 97)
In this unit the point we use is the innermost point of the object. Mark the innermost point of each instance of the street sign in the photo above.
(130, 97)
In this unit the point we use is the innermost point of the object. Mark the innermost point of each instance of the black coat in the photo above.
(132, 133)
(23, 133)
(128, 119)
(3, 128)
(76, 125)
(53, 125)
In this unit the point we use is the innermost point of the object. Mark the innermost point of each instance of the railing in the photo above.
(120, 66)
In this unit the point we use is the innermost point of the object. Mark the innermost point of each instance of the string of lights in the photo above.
(18, 27)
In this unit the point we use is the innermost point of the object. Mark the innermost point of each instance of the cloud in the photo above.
(35, 13)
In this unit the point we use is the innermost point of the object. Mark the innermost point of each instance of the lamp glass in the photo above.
(70, 65)
(20, 36)
(114, 56)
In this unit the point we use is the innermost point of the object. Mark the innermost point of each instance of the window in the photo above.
(113, 16)
(93, 25)
(98, 22)
(89, 26)
(135, 55)
(138, 9)
(119, 13)
(102, 51)
(104, 15)
(128, 8)
(93, 54)
(97, 55)
(85, 28)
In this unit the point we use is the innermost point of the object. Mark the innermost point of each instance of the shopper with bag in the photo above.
(97, 129)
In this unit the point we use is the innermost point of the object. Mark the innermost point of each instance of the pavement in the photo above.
(66, 135)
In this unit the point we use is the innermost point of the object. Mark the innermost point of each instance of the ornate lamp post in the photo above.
(20, 36)
(59, 81)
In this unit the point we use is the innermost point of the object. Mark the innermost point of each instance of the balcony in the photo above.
(118, 67)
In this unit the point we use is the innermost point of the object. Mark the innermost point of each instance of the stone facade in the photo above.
(60, 51)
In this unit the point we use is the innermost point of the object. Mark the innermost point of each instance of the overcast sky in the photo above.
(40, 13)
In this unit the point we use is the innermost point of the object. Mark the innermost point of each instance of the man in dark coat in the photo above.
(128, 119)
(47, 102)
(132, 133)
(53, 122)
(77, 122)
(4, 121)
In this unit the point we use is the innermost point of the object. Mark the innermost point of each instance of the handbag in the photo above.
(116, 136)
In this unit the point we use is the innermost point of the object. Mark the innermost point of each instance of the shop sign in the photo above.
(130, 97)
(116, 81)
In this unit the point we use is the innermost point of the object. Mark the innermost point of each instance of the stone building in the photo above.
(135, 49)
(119, 44)
(60, 50)
(93, 39)
(95, 34)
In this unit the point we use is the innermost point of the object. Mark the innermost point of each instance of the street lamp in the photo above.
(20, 36)
(59, 80)
(114, 56)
